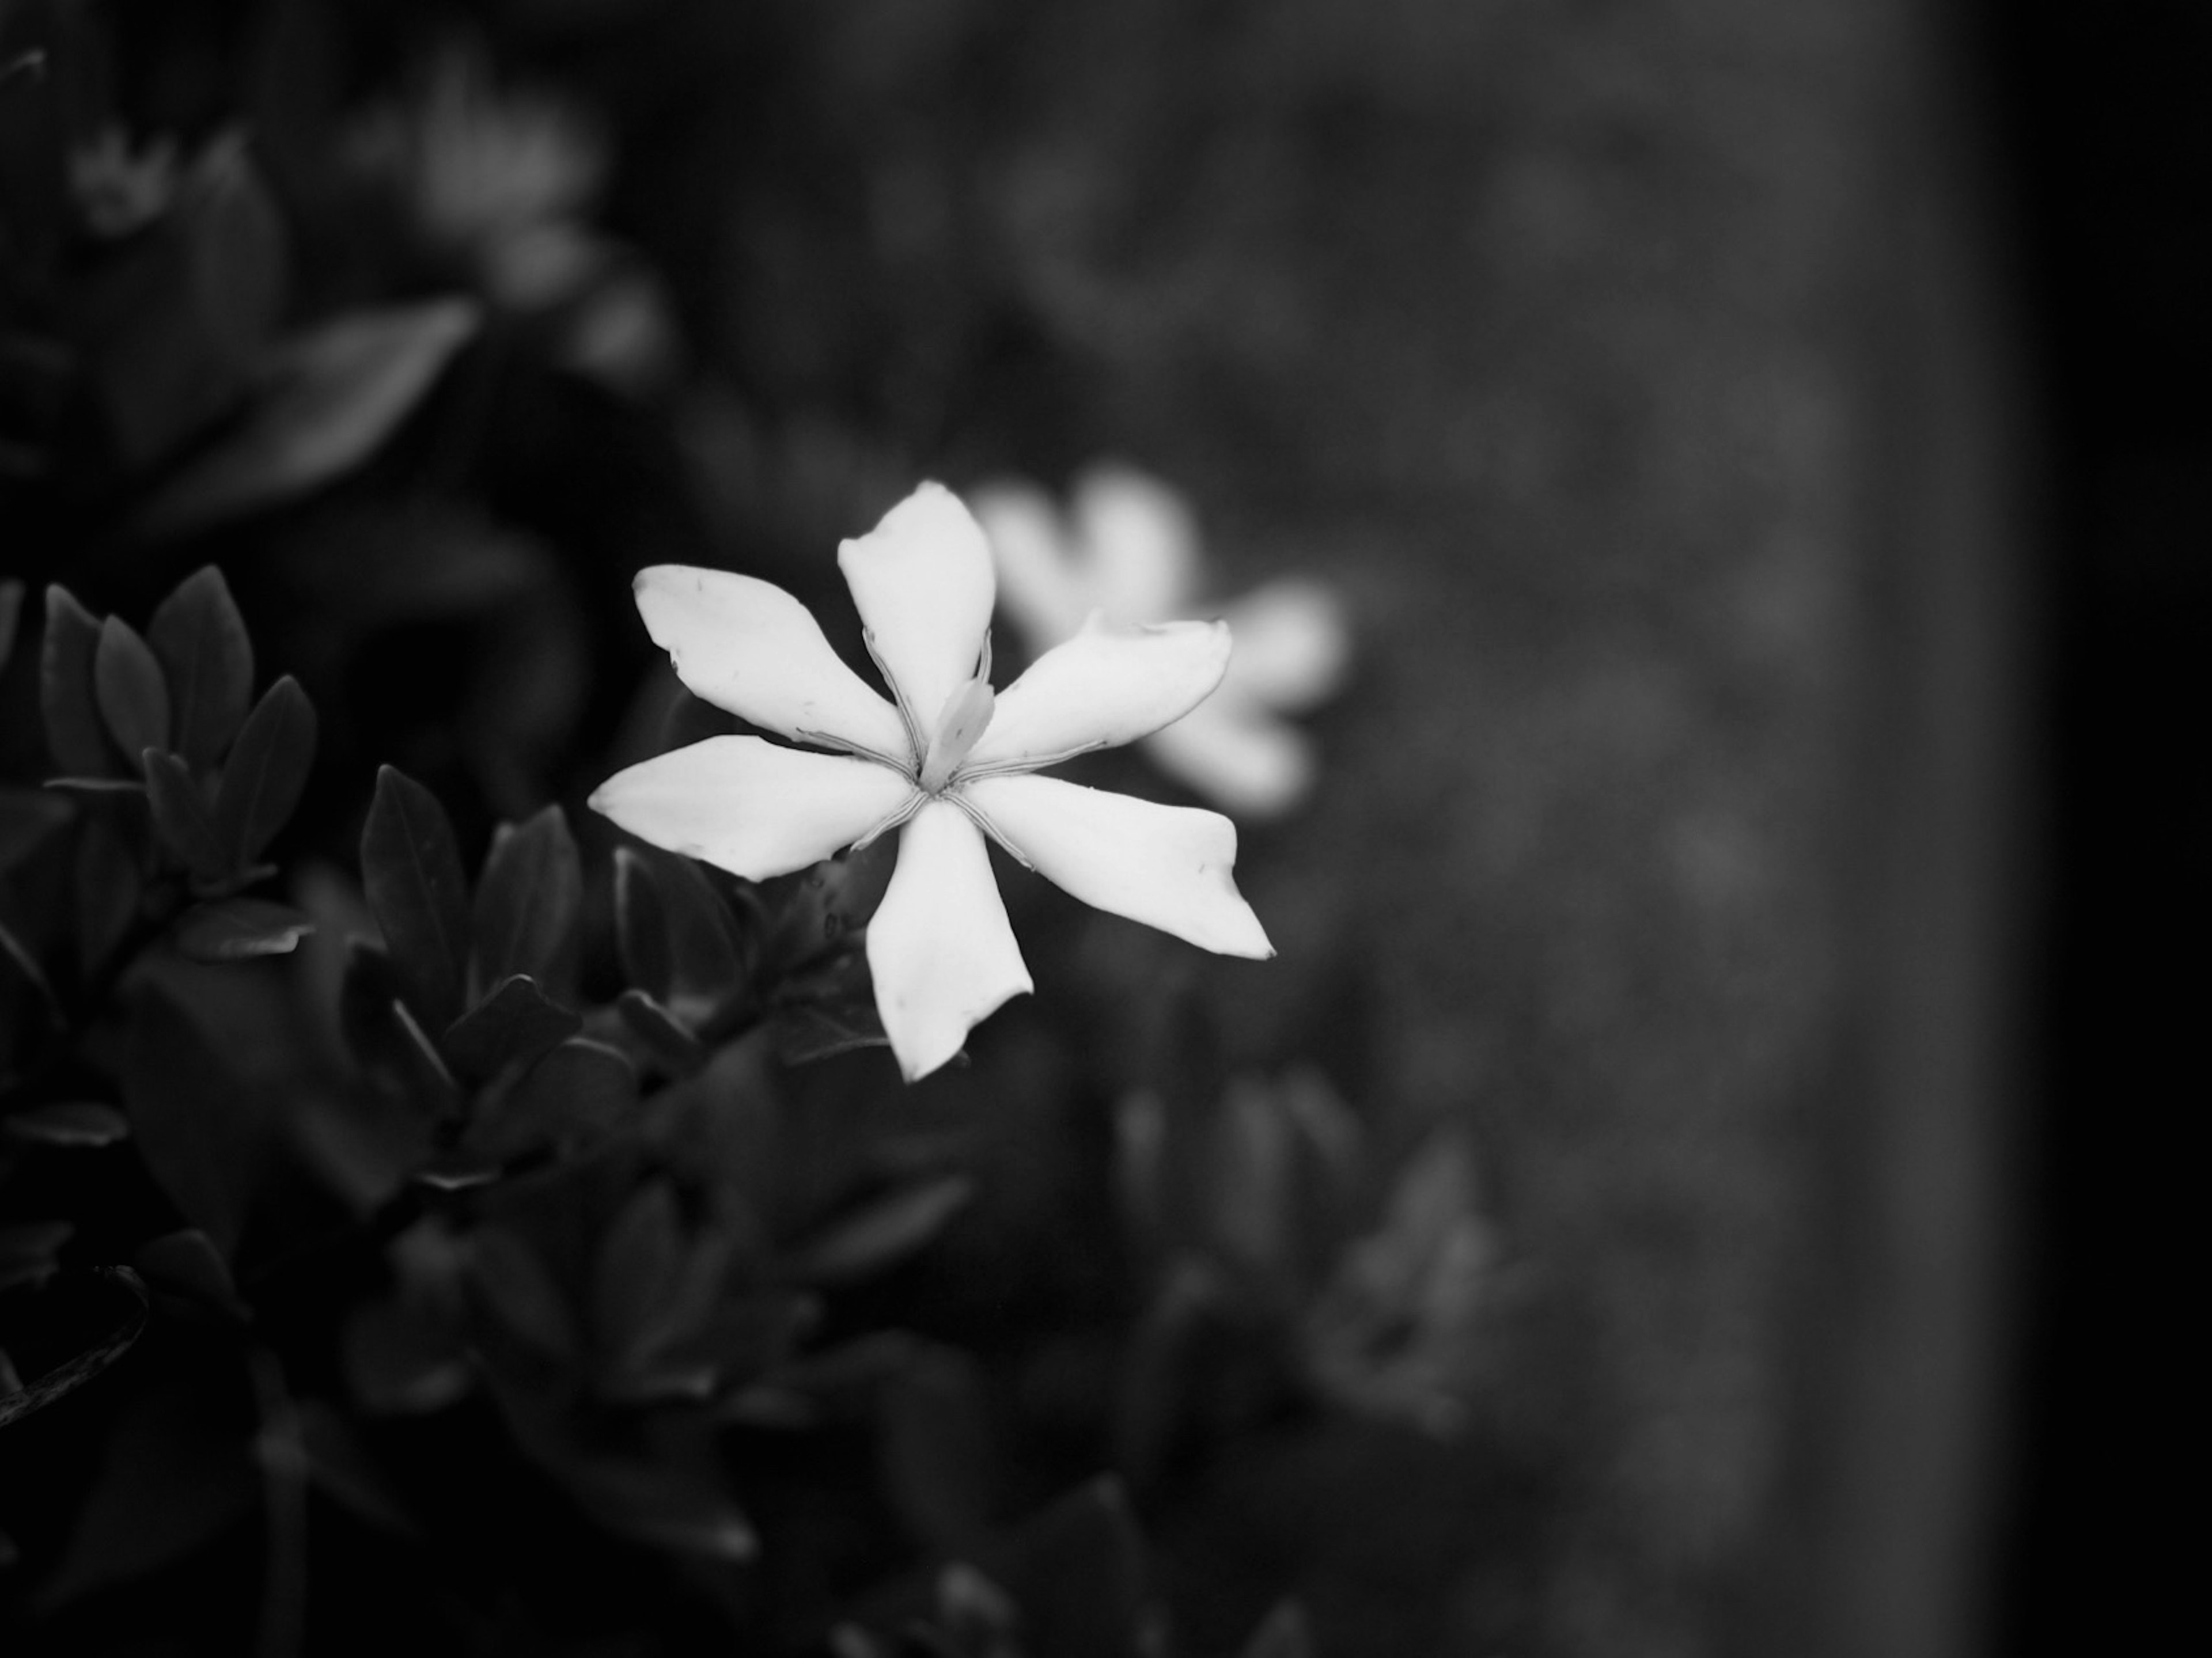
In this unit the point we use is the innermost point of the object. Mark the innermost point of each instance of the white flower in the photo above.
(946, 761)
(1128, 547)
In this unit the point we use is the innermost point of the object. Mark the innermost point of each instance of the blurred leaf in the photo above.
(881, 1232)
(676, 1050)
(66, 700)
(641, 930)
(267, 769)
(328, 398)
(411, 874)
(176, 1473)
(186, 1264)
(400, 1361)
(520, 1292)
(678, 941)
(239, 929)
(677, 1504)
(386, 1040)
(940, 1465)
(11, 614)
(202, 1134)
(182, 818)
(201, 642)
(636, 1280)
(526, 903)
(340, 1466)
(28, 1251)
(121, 1321)
(69, 1122)
(1282, 1633)
(238, 245)
(516, 1025)
(1079, 1572)
(975, 1618)
(579, 1092)
(127, 682)
(28, 817)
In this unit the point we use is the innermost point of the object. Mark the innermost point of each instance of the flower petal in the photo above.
(750, 647)
(750, 807)
(1041, 587)
(1141, 541)
(922, 581)
(939, 947)
(1236, 755)
(1167, 866)
(1292, 643)
(1107, 685)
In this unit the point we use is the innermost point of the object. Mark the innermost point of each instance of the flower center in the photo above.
(967, 715)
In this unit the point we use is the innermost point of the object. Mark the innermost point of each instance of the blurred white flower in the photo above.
(946, 761)
(504, 179)
(1128, 546)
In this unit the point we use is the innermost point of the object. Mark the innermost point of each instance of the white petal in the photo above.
(939, 947)
(1141, 543)
(922, 581)
(1106, 686)
(1167, 866)
(750, 807)
(1041, 589)
(1292, 643)
(750, 647)
(1238, 755)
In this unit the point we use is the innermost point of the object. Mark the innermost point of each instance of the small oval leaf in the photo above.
(181, 815)
(267, 769)
(239, 929)
(132, 693)
(526, 903)
(75, 734)
(200, 639)
(411, 873)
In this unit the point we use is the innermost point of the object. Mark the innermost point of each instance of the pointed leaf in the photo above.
(579, 1092)
(411, 873)
(69, 1122)
(201, 642)
(128, 684)
(76, 735)
(940, 1464)
(329, 396)
(515, 1025)
(677, 1505)
(181, 815)
(267, 769)
(882, 1232)
(678, 942)
(1081, 1573)
(637, 1274)
(526, 903)
(674, 1048)
(239, 929)
(400, 1361)
(387, 1041)
(185, 1264)
(648, 960)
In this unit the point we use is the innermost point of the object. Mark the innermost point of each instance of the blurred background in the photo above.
(1756, 455)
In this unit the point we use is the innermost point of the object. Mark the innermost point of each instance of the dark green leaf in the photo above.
(808, 1031)
(201, 642)
(400, 1361)
(267, 769)
(882, 1231)
(641, 929)
(520, 1292)
(526, 903)
(69, 1122)
(176, 1473)
(205, 1136)
(386, 1040)
(328, 398)
(678, 942)
(675, 1050)
(182, 818)
(28, 817)
(11, 614)
(1080, 1574)
(239, 929)
(516, 1025)
(186, 1265)
(74, 735)
(940, 1464)
(109, 886)
(578, 1093)
(128, 684)
(340, 1465)
(412, 872)
(677, 1504)
(635, 1280)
